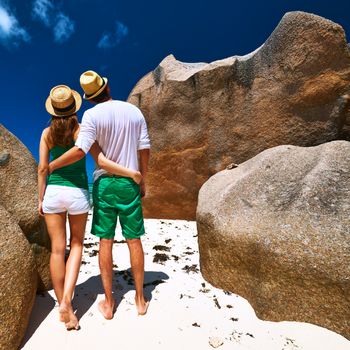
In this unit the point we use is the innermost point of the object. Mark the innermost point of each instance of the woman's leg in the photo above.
(77, 230)
(56, 227)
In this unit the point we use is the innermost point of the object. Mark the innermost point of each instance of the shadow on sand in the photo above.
(86, 293)
(38, 315)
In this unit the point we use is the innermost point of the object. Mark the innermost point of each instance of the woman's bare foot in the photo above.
(106, 309)
(67, 316)
(73, 322)
(137, 177)
(141, 306)
(64, 312)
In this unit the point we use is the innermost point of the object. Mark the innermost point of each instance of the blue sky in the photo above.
(49, 42)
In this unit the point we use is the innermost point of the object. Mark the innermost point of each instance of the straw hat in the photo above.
(92, 84)
(63, 101)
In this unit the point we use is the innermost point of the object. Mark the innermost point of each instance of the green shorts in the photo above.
(117, 196)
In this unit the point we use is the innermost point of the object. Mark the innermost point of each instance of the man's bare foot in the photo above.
(141, 306)
(106, 309)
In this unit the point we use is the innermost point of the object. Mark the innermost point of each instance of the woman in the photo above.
(66, 192)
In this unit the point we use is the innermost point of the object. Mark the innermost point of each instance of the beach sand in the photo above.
(185, 311)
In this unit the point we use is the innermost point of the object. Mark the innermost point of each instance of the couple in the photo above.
(115, 133)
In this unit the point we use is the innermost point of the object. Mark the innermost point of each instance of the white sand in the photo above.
(183, 313)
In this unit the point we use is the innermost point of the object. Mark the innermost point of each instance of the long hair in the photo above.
(62, 130)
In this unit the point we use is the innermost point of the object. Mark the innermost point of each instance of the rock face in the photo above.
(276, 230)
(294, 89)
(18, 282)
(18, 195)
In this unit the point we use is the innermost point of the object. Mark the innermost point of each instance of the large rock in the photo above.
(201, 117)
(18, 195)
(276, 230)
(18, 282)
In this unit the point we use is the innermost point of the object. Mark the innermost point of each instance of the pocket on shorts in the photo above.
(51, 192)
(77, 201)
(81, 194)
(101, 189)
(51, 200)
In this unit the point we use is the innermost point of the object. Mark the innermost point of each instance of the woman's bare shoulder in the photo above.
(46, 131)
(45, 136)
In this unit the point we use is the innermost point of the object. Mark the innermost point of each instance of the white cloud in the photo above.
(11, 33)
(43, 10)
(49, 14)
(63, 29)
(110, 40)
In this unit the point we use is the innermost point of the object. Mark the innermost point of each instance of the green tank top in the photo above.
(73, 175)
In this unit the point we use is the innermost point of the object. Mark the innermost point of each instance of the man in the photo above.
(121, 131)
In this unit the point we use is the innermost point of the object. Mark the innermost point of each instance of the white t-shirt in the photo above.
(119, 128)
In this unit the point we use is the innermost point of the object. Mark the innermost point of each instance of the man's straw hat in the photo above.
(63, 101)
(92, 84)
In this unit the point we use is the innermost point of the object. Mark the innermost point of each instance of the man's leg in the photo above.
(105, 259)
(103, 226)
(137, 266)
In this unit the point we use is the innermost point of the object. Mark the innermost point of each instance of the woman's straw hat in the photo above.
(92, 84)
(63, 101)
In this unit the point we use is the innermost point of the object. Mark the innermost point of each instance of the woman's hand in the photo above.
(40, 208)
(137, 177)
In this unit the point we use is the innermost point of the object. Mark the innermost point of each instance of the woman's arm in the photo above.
(42, 168)
(111, 166)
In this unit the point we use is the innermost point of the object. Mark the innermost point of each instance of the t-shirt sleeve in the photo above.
(87, 133)
(144, 141)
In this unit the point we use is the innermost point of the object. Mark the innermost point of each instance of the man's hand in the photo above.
(40, 208)
(143, 188)
(137, 177)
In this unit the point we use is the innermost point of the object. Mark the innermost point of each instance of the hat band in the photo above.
(103, 84)
(65, 109)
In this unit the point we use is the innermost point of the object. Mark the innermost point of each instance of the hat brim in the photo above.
(98, 91)
(78, 102)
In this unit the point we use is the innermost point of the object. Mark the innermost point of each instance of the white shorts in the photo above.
(60, 199)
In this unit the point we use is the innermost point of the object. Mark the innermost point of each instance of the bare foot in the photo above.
(67, 316)
(73, 322)
(106, 309)
(141, 306)
(64, 312)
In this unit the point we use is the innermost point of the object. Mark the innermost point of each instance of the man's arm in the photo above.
(113, 167)
(144, 159)
(144, 155)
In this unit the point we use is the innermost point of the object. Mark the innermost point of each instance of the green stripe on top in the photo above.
(73, 175)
